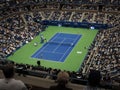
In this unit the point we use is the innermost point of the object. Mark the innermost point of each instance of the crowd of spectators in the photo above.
(106, 56)
(14, 6)
(51, 6)
(110, 9)
(65, 16)
(88, 17)
(55, 16)
(37, 16)
(46, 14)
(67, 7)
(80, 7)
(99, 18)
(39, 71)
(76, 17)
(113, 19)
(14, 33)
(8, 82)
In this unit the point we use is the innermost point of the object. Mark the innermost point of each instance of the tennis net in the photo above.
(61, 43)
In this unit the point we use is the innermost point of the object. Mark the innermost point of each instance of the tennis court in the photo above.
(25, 53)
(58, 47)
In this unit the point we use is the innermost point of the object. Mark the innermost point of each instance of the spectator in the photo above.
(62, 80)
(93, 80)
(9, 83)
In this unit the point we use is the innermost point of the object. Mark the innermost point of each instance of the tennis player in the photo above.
(42, 38)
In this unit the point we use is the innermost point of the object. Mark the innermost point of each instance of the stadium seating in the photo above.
(21, 21)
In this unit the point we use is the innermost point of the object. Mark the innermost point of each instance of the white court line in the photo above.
(64, 54)
(67, 50)
(59, 45)
(41, 49)
(53, 52)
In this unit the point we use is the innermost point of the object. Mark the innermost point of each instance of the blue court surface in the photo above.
(58, 47)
